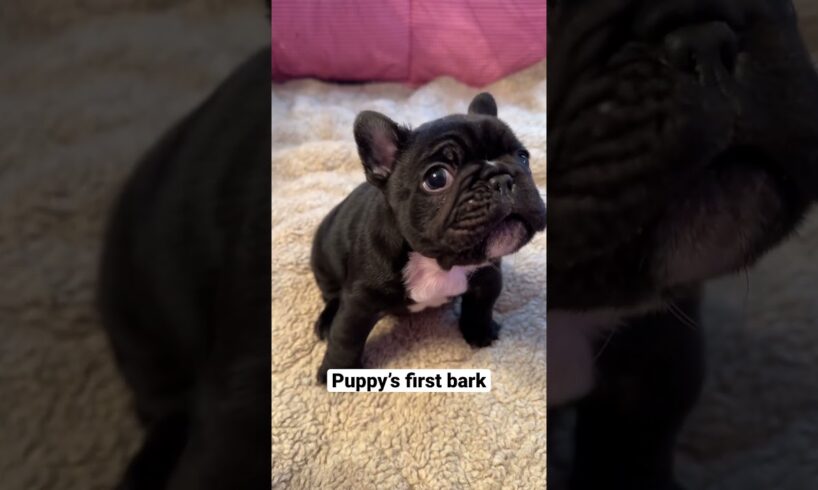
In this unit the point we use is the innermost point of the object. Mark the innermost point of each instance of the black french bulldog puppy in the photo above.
(185, 293)
(683, 137)
(441, 205)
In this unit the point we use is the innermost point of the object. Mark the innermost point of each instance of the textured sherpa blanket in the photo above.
(399, 441)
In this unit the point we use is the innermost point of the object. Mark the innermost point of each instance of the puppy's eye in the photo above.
(437, 179)
(523, 155)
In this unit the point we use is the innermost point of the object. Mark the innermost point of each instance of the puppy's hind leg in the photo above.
(351, 326)
(325, 279)
(155, 461)
(324, 321)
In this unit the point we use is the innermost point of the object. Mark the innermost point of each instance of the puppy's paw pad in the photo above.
(321, 376)
(483, 338)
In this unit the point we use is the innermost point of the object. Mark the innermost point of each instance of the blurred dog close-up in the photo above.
(683, 142)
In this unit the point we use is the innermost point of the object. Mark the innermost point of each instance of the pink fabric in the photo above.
(476, 41)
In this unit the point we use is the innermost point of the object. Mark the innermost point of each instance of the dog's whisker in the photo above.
(605, 344)
(680, 315)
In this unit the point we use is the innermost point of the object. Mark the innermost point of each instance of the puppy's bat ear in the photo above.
(483, 104)
(379, 140)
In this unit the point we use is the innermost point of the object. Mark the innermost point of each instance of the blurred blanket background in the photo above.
(87, 86)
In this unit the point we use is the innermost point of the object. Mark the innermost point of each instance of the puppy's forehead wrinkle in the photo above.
(454, 142)
(477, 137)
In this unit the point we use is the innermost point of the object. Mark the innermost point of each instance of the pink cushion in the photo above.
(476, 41)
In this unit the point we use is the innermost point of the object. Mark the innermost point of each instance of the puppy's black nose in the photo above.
(502, 183)
(707, 50)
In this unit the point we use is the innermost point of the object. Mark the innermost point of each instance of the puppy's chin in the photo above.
(731, 216)
(507, 238)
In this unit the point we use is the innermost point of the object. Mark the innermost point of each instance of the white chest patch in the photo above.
(570, 353)
(572, 348)
(430, 286)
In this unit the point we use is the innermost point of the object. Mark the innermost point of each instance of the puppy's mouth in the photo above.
(509, 236)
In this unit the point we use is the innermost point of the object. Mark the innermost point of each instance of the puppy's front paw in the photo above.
(480, 336)
(321, 376)
(324, 321)
(321, 328)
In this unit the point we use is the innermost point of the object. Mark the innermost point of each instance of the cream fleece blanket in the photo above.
(399, 441)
